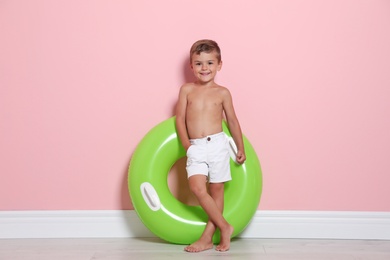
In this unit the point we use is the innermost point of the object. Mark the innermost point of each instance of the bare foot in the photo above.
(199, 246)
(224, 245)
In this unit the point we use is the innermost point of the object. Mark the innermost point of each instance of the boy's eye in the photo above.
(210, 62)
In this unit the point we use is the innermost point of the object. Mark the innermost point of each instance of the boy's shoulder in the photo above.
(222, 89)
(188, 85)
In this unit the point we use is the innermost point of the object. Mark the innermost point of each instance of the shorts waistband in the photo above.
(208, 139)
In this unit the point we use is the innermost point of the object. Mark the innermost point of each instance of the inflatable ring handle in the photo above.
(167, 217)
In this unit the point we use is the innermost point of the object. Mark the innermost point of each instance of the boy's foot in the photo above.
(224, 245)
(199, 246)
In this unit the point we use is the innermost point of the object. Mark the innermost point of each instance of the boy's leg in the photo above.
(217, 193)
(198, 187)
(205, 241)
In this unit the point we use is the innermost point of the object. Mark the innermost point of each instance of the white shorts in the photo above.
(209, 156)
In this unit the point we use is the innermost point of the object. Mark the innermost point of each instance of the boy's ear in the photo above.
(220, 65)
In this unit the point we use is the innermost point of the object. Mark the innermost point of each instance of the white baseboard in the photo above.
(265, 224)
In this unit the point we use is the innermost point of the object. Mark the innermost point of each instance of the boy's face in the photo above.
(205, 66)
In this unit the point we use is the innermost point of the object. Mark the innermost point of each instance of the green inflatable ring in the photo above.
(167, 217)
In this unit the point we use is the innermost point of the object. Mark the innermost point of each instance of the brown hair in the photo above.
(205, 46)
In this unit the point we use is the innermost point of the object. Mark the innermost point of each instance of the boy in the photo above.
(199, 115)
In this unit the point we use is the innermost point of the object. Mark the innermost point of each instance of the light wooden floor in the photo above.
(154, 248)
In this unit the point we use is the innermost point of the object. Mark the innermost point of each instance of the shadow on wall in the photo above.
(177, 176)
(125, 198)
(187, 76)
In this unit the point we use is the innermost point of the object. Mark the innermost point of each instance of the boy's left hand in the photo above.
(240, 157)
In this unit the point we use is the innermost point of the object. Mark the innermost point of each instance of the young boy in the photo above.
(199, 115)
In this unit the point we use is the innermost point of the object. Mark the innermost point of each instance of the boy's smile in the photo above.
(205, 66)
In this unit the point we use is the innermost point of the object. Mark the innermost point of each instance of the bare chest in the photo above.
(204, 101)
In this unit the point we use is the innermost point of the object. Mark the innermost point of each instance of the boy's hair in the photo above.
(205, 46)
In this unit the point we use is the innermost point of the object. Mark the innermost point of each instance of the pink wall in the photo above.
(81, 82)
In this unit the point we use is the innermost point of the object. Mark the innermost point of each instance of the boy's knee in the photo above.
(197, 184)
(198, 190)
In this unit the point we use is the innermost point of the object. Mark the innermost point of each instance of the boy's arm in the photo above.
(181, 127)
(234, 126)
